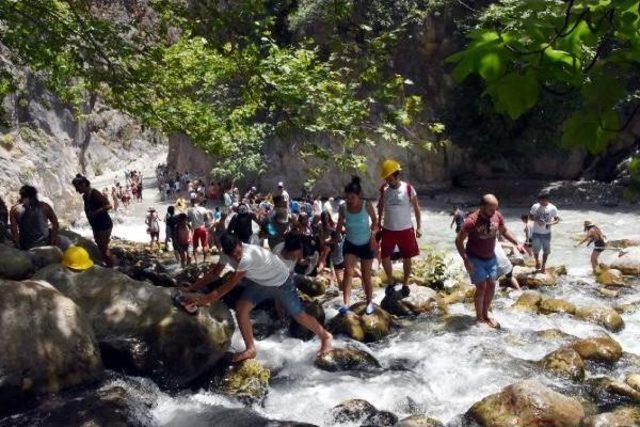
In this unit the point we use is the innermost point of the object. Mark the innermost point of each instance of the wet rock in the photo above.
(609, 391)
(530, 277)
(623, 243)
(527, 403)
(45, 255)
(610, 277)
(604, 316)
(633, 380)
(420, 300)
(628, 263)
(600, 349)
(553, 335)
(312, 286)
(380, 419)
(351, 411)
(315, 310)
(419, 421)
(630, 307)
(431, 270)
(16, 264)
(528, 301)
(247, 381)
(558, 270)
(460, 293)
(609, 293)
(564, 362)
(139, 329)
(347, 359)
(348, 324)
(361, 327)
(555, 305)
(458, 323)
(47, 342)
(626, 416)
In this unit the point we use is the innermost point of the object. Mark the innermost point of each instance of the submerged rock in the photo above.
(624, 243)
(420, 300)
(599, 349)
(380, 419)
(556, 305)
(139, 329)
(16, 264)
(347, 359)
(351, 411)
(611, 277)
(528, 301)
(419, 421)
(565, 362)
(361, 327)
(627, 263)
(604, 316)
(633, 380)
(626, 416)
(609, 391)
(247, 381)
(47, 342)
(527, 403)
(530, 277)
(553, 335)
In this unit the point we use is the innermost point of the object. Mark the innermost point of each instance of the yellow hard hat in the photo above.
(389, 167)
(76, 258)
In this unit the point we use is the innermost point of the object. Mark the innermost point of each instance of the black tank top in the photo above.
(93, 201)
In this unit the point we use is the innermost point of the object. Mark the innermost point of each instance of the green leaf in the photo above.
(514, 94)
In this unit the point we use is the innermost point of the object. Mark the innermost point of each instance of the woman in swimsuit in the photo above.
(595, 236)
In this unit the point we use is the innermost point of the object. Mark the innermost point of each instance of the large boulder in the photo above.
(42, 256)
(611, 277)
(628, 262)
(16, 264)
(247, 381)
(527, 403)
(607, 317)
(565, 362)
(625, 416)
(361, 327)
(140, 330)
(351, 411)
(600, 349)
(47, 342)
(528, 301)
(556, 305)
(347, 359)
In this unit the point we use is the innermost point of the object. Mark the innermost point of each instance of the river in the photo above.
(431, 367)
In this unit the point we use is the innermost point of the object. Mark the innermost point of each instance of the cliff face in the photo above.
(45, 145)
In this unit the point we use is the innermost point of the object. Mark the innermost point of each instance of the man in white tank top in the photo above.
(397, 200)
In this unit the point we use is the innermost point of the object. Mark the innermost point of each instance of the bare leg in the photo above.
(313, 325)
(243, 311)
(366, 278)
(479, 302)
(388, 269)
(350, 261)
(544, 262)
(594, 261)
(406, 266)
(490, 289)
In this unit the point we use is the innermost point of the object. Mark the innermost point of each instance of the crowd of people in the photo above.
(269, 238)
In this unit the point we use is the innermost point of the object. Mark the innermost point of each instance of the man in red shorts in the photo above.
(197, 217)
(397, 199)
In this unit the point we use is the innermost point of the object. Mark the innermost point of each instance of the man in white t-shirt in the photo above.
(397, 200)
(544, 215)
(268, 278)
(281, 191)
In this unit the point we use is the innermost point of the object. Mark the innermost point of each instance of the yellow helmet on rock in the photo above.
(389, 167)
(77, 258)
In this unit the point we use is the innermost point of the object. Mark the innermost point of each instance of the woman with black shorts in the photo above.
(595, 236)
(360, 223)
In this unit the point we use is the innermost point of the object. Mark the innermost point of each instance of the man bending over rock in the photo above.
(480, 230)
(268, 278)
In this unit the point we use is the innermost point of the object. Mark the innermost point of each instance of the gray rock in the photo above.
(347, 359)
(47, 342)
(15, 264)
(45, 255)
(351, 411)
(380, 419)
(140, 330)
(419, 421)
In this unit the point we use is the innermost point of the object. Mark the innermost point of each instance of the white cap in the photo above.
(281, 184)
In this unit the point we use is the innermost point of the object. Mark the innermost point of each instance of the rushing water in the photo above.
(432, 366)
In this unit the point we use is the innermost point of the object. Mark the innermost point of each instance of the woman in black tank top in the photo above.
(96, 207)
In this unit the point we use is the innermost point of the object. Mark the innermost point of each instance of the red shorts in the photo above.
(404, 239)
(200, 235)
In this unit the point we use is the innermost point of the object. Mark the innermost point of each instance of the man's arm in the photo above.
(506, 233)
(416, 211)
(15, 231)
(460, 238)
(209, 277)
(221, 291)
(55, 226)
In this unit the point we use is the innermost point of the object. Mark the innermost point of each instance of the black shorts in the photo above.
(340, 266)
(364, 252)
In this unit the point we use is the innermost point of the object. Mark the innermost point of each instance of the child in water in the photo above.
(183, 238)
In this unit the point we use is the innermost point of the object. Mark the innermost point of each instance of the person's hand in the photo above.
(520, 248)
(418, 233)
(469, 266)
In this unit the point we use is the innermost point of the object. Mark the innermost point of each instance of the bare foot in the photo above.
(543, 269)
(537, 265)
(325, 344)
(249, 353)
(492, 322)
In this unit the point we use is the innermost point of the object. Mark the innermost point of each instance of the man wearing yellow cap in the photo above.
(397, 199)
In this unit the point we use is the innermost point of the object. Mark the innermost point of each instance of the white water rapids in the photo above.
(432, 367)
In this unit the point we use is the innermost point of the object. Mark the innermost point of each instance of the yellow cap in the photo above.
(389, 167)
(77, 258)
